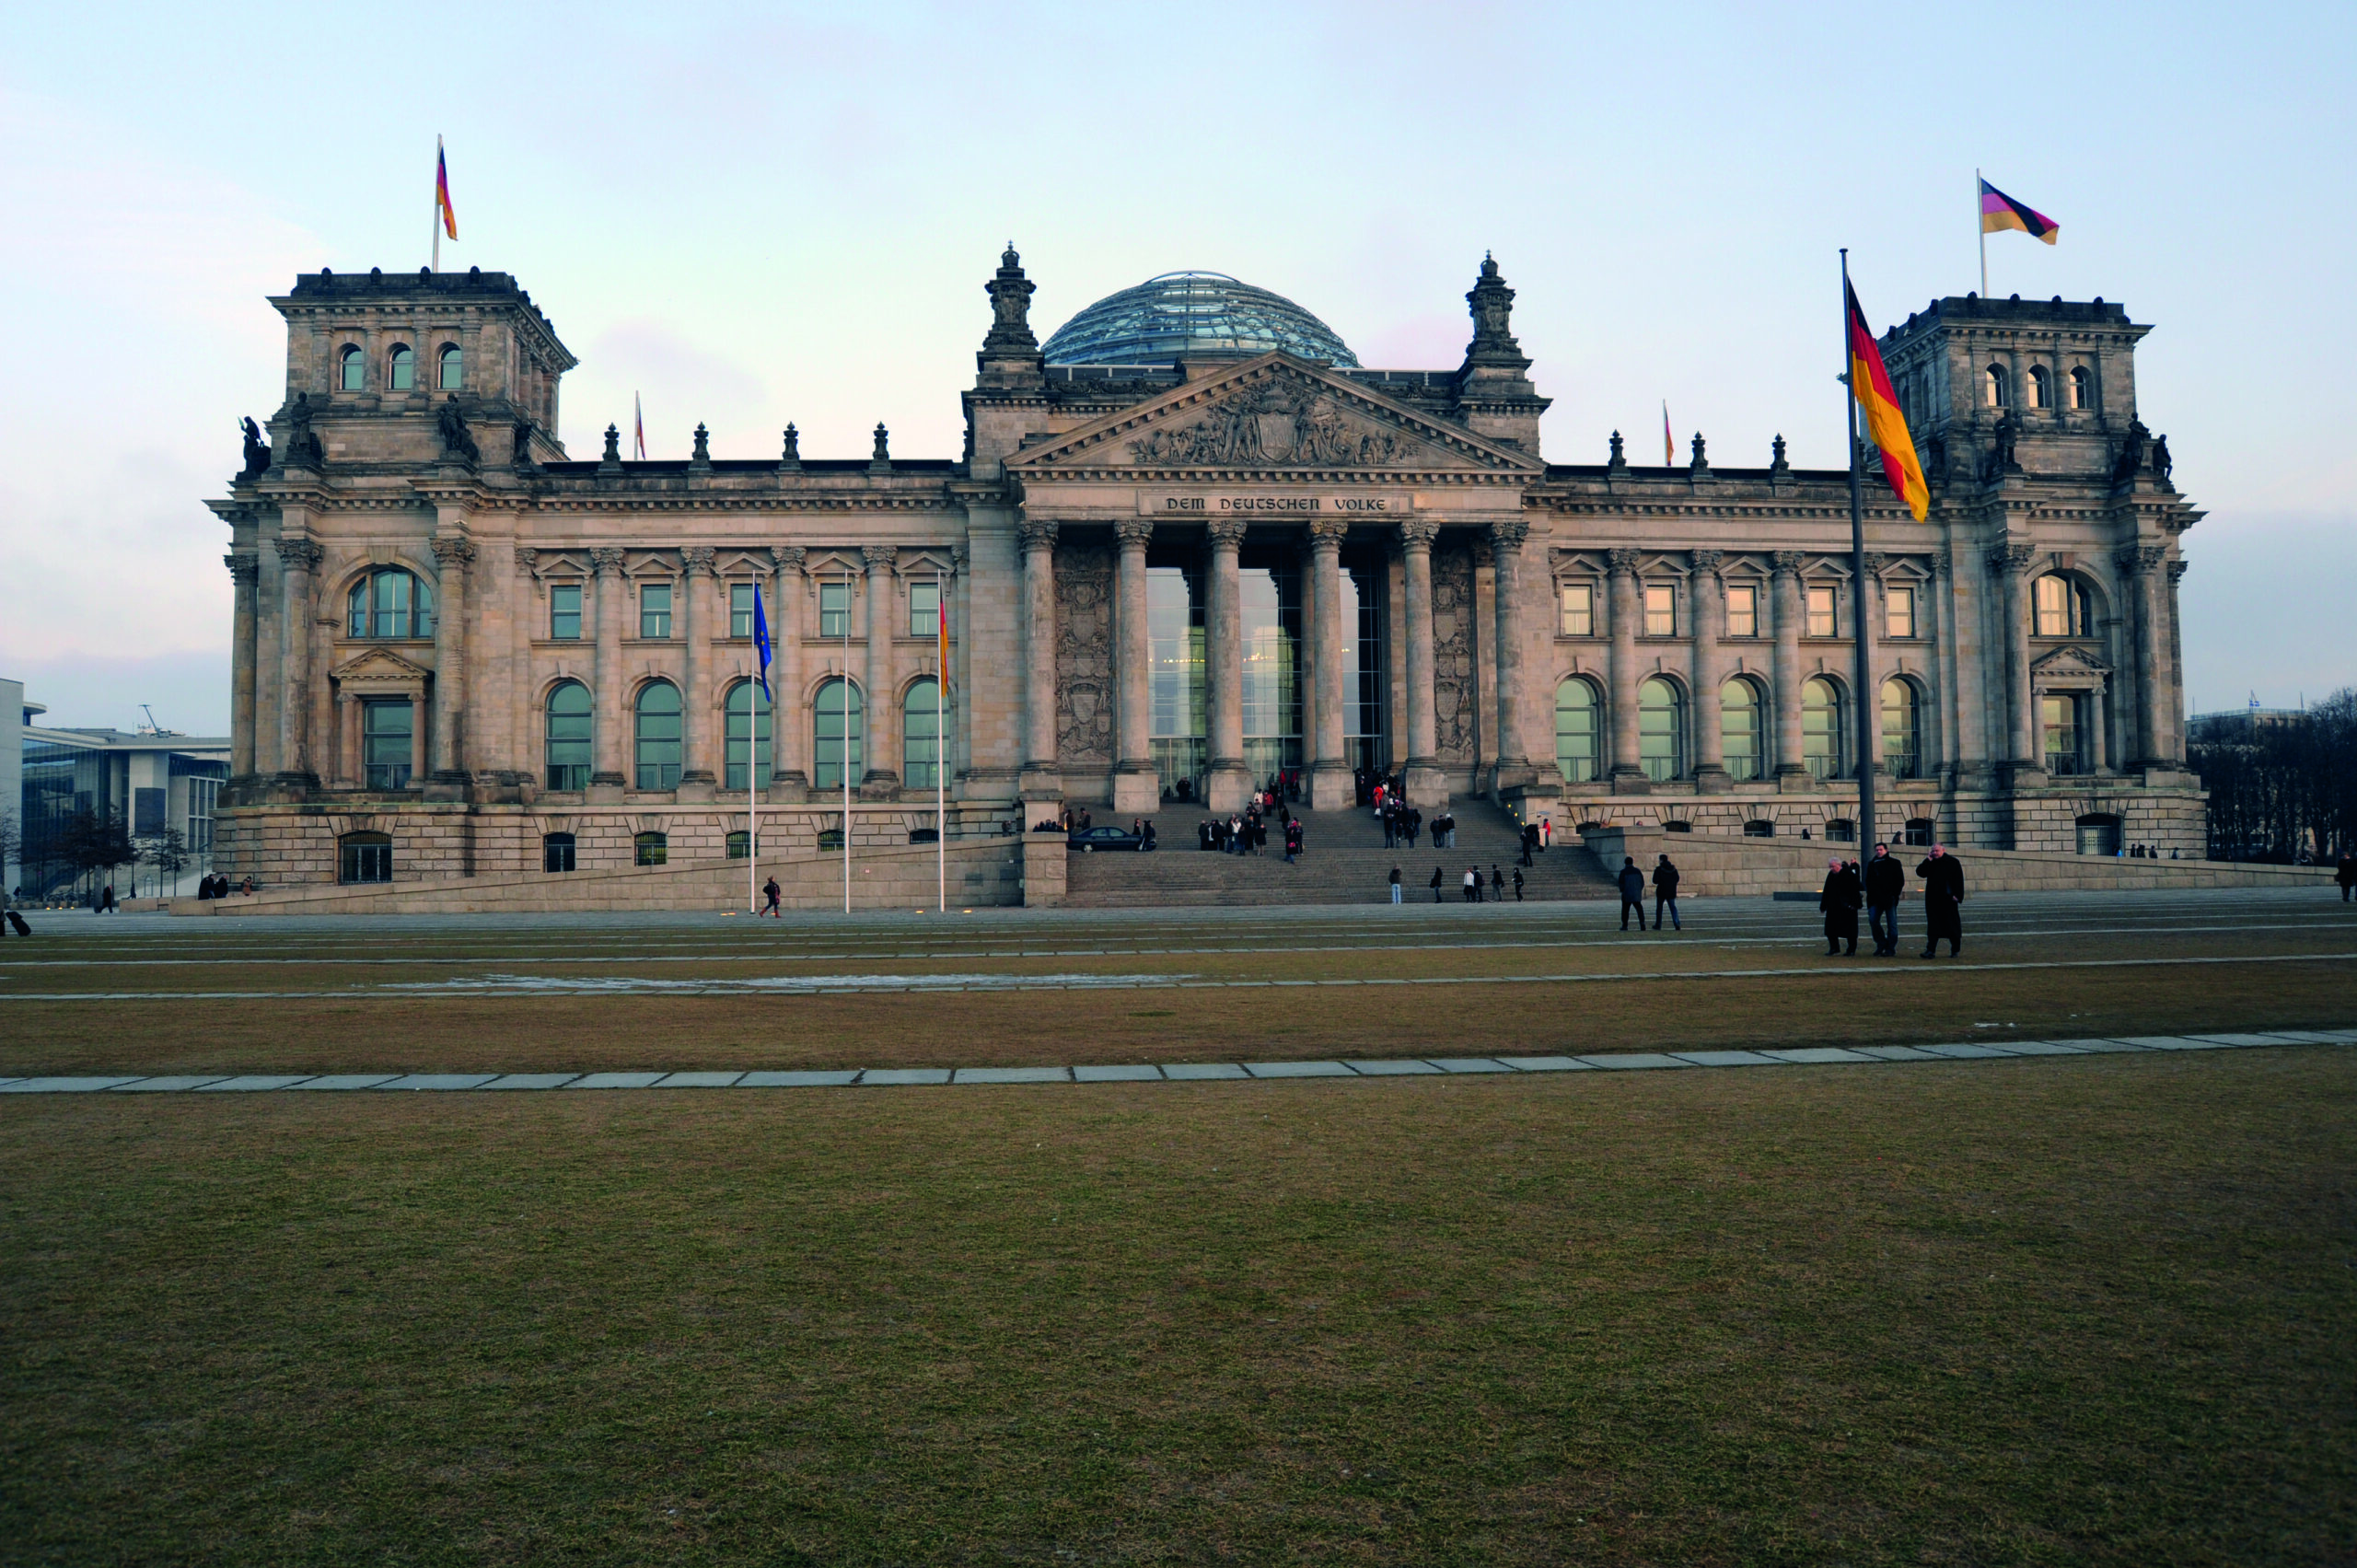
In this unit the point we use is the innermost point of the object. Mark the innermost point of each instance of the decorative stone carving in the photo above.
(1619, 461)
(1418, 531)
(1785, 563)
(2130, 461)
(788, 557)
(302, 448)
(612, 460)
(1456, 694)
(1084, 657)
(605, 561)
(879, 554)
(1508, 533)
(521, 458)
(454, 553)
(1701, 467)
(700, 458)
(2162, 464)
(1776, 463)
(243, 568)
(1327, 531)
(1010, 293)
(1491, 303)
(2009, 558)
(1623, 562)
(790, 461)
(256, 451)
(2177, 572)
(457, 441)
(1277, 424)
(1225, 530)
(1037, 533)
(299, 554)
(528, 561)
(695, 561)
(1707, 562)
(2001, 448)
(880, 461)
(1136, 532)
(2139, 560)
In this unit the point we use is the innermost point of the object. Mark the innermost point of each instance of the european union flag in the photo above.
(761, 640)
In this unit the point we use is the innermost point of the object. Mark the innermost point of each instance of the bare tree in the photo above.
(168, 853)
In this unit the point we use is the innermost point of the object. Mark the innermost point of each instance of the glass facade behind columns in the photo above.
(1174, 630)
(1366, 622)
(1165, 318)
(1270, 598)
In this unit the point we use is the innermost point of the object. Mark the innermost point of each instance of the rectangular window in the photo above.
(924, 610)
(1661, 610)
(740, 607)
(385, 735)
(1823, 618)
(834, 610)
(1743, 611)
(655, 610)
(565, 611)
(1579, 610)
(147, 810)
(2060, 714)
(1899, 614)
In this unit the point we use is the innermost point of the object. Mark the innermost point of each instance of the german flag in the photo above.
(448, 213)
(2001, 211)
(1870, 383)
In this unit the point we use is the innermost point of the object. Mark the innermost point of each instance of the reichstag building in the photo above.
(1190, 545)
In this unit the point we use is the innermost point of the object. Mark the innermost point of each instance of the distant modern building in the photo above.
(151, 781)
(1189, 545)
(15, 713)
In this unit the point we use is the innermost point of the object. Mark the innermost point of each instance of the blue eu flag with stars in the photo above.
(761, 639)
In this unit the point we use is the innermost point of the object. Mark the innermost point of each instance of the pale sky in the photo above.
(757, 214)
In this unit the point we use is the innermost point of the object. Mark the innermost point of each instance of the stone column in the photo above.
(1137, 788)
(1627, 774)
(347, 745)
(2011, 561)
(1505, 551)
(1330, 786)
(1784, 591)
(269, 658)
(298, 557)
(1708, 617)
(1427, 785)
(2173, 676)
(696, 750)
(883, 776)
(456, 555)
(789, 731)
(244, 571)
(526, 749)
(611, 721)
(1941, 739)
(1227, 783)
(2141, 565)
(1041, 780)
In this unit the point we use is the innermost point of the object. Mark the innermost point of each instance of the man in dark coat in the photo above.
(1943, 881)
(1886, 885)
(1632, 891)
(1666, 894)
(1839, 900)
(2346, 875)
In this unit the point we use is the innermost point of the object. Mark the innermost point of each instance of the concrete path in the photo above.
(1176, 1071)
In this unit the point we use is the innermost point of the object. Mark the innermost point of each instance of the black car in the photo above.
(1086, 839)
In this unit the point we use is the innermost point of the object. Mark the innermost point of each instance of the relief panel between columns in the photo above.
(1084, 695)
(1456, 680)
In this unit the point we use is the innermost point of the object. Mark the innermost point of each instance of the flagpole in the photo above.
(844, 744)
(941, 743)
(1979, 228)
(752, 775)
(1858, 583)
(437, 201)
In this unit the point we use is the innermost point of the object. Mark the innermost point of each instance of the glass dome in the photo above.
(1180, 313)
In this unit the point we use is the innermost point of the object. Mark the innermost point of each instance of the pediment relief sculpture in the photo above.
(380, 667)
(2069, 661)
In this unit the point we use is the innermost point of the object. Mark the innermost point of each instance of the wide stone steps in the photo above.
(1345, 863)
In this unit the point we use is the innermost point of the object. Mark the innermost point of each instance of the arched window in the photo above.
(838, 723)
(1902, 729)
(1824, 738)
(1661, 729)
(650, 849)
(352, 369)
(658, 736)
(391, 602)
(1575, 731)
(557, 853)
(364, 857)
(749, 737)
(453, 375)
(1992, 387)
(2040, 394)
(2061, 607)
(400, 369)
(1742, 729)
(2082, 388)
(570, 733)
(919, 736)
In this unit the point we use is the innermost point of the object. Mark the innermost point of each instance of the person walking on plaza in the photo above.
(1942, 893)
(1517, 884)
(1436, 898)
(1497, 885)
(1632, 891)
(1665, 895)
(772, 891)
(1394, 884)
(2346, 875)
(1839, 900)
(1886, 885)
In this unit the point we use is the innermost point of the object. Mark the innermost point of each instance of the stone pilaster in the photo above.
(612, 721)
(2010, 563)
(789, 725)
(1784, 594)
(1228, 782)
(2141, 566)
(455, 554)
(1625, 612)
(1514, 769)
(244, 572)
(298, 559)
(1137, 787)
(882, 779)
(1330, 786)
(1041, 780)
(1427, 786)
(696, 725)
(1708, 618)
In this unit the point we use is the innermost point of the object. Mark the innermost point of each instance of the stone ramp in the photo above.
(1343, 862)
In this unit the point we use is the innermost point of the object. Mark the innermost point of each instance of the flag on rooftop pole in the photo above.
(445, 216)
(638, 420)
(1669, 447)
(1885, 425)
(2001, 211)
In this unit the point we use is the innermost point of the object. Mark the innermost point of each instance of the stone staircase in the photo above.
(1343, 862)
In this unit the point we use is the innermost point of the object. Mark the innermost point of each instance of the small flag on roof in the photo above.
(2000, 211)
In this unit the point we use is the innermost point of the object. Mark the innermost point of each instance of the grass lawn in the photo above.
(2054, 1311)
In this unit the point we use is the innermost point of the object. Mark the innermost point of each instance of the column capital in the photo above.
(245, 568)
(1785, 563)
(299, 554)
(1707, 562)
(1621, 563)
(606, 560)
(1418, 533)
(2009, 558)
(528, 561)
(788, 557)
(1228, 531)
(1037, 533)
(1326, 533)
(1876, 562)
(2176, 570)
(879, 555)
(696, 560)
(1133, 532)
(1509, 533)
(456, 552)
(2139, 560)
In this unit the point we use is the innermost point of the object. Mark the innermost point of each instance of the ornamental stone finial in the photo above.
(700, 459)
(1701, 465)
(790, 461)
(612, 461)
(1619, 461)
(1776, 463)
(1492, 306)
(880, 461)
(1010, 293)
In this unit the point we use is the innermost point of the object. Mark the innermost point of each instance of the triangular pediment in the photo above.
(1274, 413)
(380, 667)
(2069, 660)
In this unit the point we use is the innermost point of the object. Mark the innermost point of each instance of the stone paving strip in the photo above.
(1176, 1072)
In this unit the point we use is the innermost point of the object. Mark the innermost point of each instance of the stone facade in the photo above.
(451, 633)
